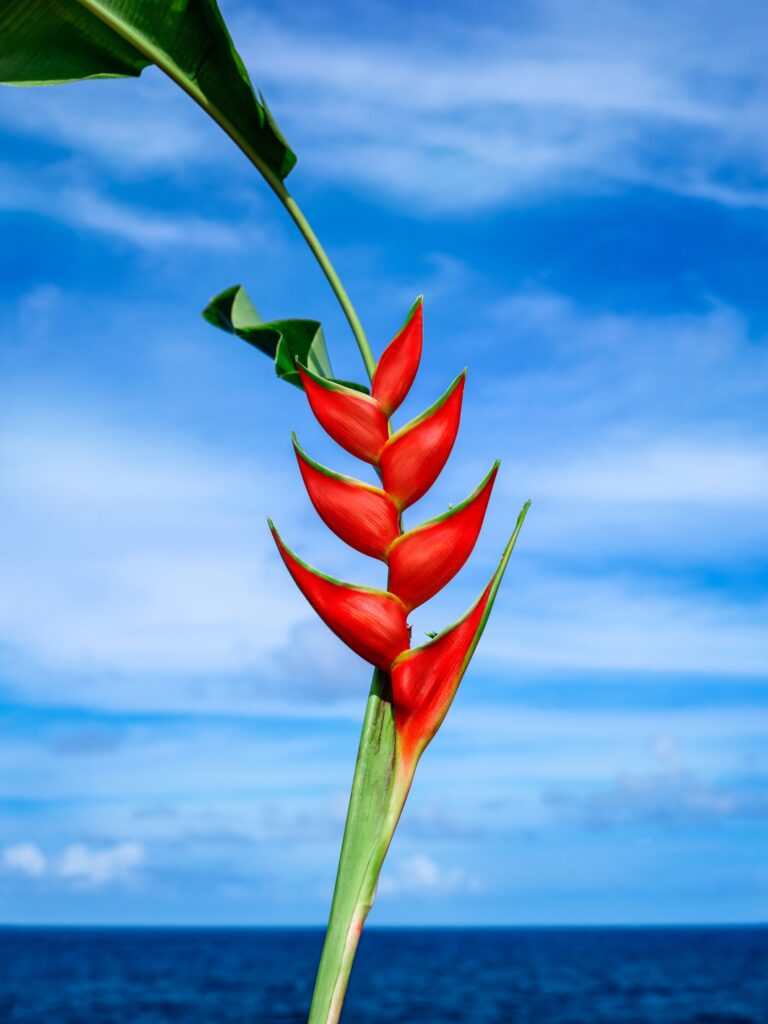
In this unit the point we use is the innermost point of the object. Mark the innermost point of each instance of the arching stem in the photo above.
(333, 278)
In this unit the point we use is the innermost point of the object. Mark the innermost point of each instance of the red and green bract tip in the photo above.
(421, 561)
(396, 370)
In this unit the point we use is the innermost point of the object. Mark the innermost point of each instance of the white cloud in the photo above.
(517, 107)
(420, 875)
(206, 762)
(134, 126)
(644, 435)
(26, 859)
(130, 553)
(634, 368)
(671, 794)
(83, 207)
(720, 739)
(79, 863)
(256, 772)
(665, 471)
(96, 867)
(468, 113)
(609, 623)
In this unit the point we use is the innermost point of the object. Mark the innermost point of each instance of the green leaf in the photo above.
(233, 311)
(285, 341)
(300, 341)
(48, 42)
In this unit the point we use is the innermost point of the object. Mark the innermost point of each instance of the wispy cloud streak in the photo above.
(448, 117)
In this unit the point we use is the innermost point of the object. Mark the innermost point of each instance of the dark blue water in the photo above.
(515, 976)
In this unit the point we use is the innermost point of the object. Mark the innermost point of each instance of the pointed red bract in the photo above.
(425, 679)
(399, 362)
(370, 622)
(355, 421)
(423, 560)
(361, 515)
(413, 458)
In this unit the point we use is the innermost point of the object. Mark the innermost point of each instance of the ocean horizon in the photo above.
(569, 974)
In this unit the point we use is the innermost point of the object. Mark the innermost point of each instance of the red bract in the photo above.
(413, 458)
(398, 364)
(355, 421)
(425, 679)
(371, 622)
(365, 517)
(421, 561)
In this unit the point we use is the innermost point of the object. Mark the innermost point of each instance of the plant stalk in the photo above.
(379, 791)
(327, 267)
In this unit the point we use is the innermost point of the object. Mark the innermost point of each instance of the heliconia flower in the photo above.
(399, 362)
(354, 420)
(371, 622)
(367, 517)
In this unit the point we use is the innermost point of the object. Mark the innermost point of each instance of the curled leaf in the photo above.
(288, 342)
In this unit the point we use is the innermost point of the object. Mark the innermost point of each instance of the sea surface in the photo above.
(434, 976)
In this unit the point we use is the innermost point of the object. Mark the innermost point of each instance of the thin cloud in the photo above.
(630, 626)
(458, 115)
(672, 794)
(672, 471)
(84, 865)
(520, 109)
(645, 434)
(677, 800)
(25, 859)
(94, 867)
(134, 127)
(149, 564)
(85, 208)
(420, 875)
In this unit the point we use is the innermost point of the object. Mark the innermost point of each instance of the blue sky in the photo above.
(580, 192)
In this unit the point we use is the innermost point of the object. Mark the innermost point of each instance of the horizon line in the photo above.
(168, 926)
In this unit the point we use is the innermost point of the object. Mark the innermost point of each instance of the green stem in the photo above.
(333, 278)
(158, 57)
(379, 791)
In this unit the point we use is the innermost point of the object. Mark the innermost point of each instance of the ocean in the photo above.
(430, 976)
